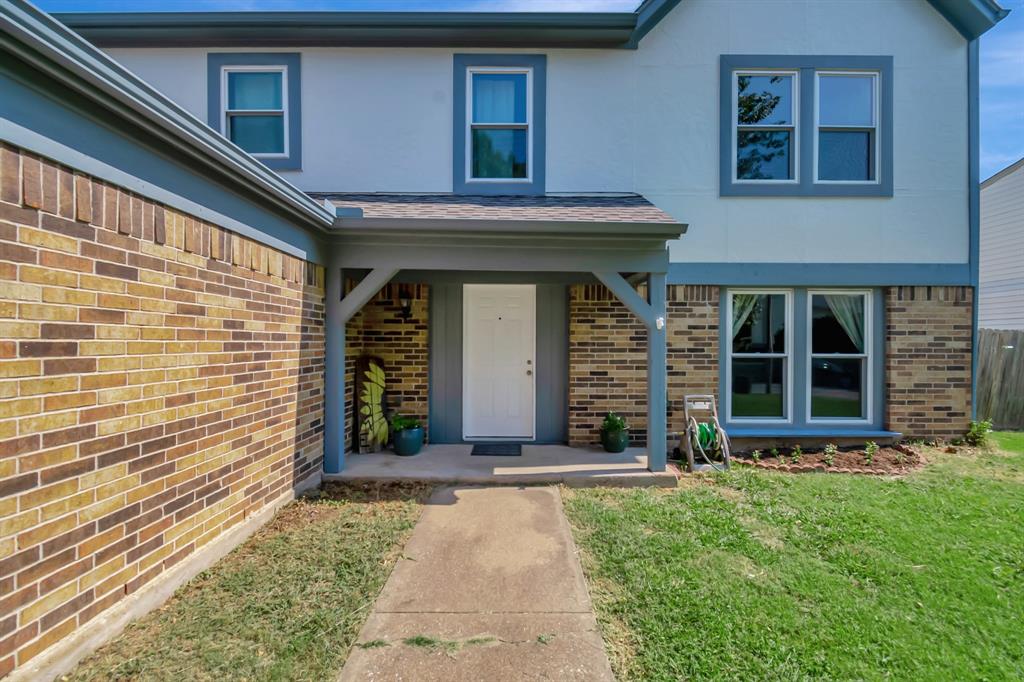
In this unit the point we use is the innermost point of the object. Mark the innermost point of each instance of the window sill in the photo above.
(809, 432)
(748, 189)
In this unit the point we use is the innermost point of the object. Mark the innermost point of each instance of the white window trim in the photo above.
(283, 111)
(528, 125)
(795, 127)
(875, 129)
(867, 356)
(787, 355)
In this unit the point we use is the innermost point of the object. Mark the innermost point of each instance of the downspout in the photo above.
(973, 206)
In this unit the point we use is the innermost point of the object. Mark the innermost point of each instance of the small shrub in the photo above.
(977, 433)
(796, 453)
(756, 455)
(775, 453)
(901, 457)
(613, 423)
(870, 450)
(830, 454)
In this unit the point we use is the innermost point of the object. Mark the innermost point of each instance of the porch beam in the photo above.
(657, 373)
(627, 294)
(364, 291)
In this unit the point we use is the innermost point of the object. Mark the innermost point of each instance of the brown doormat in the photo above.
(497, 450)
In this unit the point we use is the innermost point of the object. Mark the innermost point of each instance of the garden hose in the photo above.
(706, 437)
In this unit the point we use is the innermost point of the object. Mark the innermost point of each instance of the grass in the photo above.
(760, 575)
(287, 604)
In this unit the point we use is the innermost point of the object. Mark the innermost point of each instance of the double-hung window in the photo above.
(499, 124)
(766, 127)
(840, 349)
(806, 126)
(759, 357)
(254, 100)
(499, 118)
(847, 126)
(255, 117)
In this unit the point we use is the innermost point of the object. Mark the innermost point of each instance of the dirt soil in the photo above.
(889, 460)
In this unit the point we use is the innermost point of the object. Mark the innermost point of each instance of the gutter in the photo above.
(39, 40)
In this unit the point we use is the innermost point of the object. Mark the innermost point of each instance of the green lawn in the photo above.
(286, 605)
(760, 575)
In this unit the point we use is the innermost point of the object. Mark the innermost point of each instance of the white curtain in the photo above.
(742, 306)
(849, 311)
(494, 100)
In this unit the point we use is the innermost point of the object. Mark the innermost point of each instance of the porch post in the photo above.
(657, 374)
(334, 371)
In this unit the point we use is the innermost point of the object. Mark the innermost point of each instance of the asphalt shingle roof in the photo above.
(610, 208)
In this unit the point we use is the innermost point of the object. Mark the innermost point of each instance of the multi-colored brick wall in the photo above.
(608, 358)
(161, 380)
(928, 360)
(379, 330)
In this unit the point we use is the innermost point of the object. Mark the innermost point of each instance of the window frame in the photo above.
(227, 112)
(794, 127)
(874, 129)
(217, 66)
(787, 355)
(805, 103)
(471, 124)
(867, 357)
(462, 180)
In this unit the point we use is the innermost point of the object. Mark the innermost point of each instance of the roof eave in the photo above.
(972, 18)
(61, 53)
(577, 228)
(355, 29)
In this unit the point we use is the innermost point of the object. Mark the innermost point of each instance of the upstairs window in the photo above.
(847, 140)
(795, 125)
(499, 126)
(765, 126)
(499, 123)
(255, 100)
(255, 117)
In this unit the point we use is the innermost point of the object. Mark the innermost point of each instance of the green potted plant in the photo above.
(614, 433)
(406, 435)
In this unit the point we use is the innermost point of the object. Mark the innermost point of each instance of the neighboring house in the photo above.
(1001, 277)
(532, 219)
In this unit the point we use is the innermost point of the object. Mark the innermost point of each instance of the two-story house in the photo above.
(511, 177)
(209, 221)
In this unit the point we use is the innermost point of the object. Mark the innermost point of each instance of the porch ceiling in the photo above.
(582, 233)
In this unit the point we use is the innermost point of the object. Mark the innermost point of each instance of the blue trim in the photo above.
(800, 423)
(974, 205)
(460, 184)
(648, 15)
(821, 274)
(334, 368)
(292, 61)
(758, 432)
(971, 18)
(806, 186)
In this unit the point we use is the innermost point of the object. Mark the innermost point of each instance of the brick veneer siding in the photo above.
(378, 329)
(928, 360)
(161, 380)
(608, 358)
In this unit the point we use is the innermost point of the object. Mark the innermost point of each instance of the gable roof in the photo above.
(34, 37)
(622, 30)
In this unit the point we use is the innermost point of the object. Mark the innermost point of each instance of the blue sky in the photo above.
(1002, 49)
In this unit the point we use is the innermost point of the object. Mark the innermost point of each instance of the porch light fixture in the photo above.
(405, 301)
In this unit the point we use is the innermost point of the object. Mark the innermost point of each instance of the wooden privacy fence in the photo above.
(1001, 377)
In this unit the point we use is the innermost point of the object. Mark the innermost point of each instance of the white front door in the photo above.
(498, 366)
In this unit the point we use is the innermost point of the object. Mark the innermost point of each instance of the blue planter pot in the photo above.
(407, 442)
(615, 441)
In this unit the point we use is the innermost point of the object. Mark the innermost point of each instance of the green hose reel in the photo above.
(707, 436)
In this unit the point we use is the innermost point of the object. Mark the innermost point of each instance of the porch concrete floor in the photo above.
(539, 464)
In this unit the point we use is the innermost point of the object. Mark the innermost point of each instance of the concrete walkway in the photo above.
(488, 588)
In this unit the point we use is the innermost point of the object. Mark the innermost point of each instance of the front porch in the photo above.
(539, 464)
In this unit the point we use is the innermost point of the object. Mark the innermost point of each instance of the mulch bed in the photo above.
(891, 460)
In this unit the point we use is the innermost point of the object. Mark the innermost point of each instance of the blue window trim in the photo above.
(800, 357)
(806, 66)
(215, 61)
(460, 183)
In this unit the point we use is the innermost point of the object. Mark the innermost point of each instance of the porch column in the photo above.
(334, 372)
(339, 310)
(657, 374)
